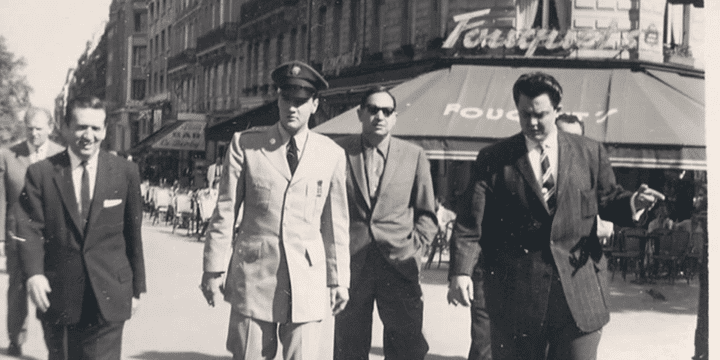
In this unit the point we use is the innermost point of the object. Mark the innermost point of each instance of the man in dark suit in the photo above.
(81, 243)
(14, 162)
(532, 210)
(392, 219)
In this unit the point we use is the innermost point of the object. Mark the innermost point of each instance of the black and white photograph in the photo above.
(356, 179)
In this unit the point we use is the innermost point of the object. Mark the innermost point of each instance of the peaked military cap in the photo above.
(297, 79)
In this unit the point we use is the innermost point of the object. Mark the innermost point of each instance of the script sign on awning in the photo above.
(189, 135)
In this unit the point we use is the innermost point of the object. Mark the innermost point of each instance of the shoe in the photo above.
(14, 350)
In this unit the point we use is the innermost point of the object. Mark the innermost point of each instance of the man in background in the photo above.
(14, 162)
(392, 220)
(82, 248)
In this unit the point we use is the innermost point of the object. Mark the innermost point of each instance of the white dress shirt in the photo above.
(550, 145)
(300, 140)
(77, 172)
(37, 153)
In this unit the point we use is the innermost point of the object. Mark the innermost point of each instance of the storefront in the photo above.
(176, 152)
(651, 118)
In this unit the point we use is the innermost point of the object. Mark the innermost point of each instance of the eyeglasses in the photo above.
(373, 110)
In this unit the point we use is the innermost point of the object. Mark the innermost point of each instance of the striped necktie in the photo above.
(548, 181)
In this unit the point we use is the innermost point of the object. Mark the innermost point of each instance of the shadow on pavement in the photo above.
(158, 355)
(23, 357)
(379, 352)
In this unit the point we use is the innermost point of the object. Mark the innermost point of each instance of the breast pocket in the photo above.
(263, 195)
(314, 199)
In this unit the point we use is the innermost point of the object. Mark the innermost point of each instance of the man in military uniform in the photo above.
(289, 268)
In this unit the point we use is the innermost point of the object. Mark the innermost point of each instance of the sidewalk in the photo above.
(174, 323)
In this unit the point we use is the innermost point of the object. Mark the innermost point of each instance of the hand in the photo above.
(38, 287)
(460, 290)
(339, 296)
(135, 305)
(212, 286)
(645, 197)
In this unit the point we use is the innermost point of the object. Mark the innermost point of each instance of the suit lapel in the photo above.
(523, 165)
(393, 161)
(357, 167)
(64, 182)
(272, 151)
(103, 185)
(566, 159)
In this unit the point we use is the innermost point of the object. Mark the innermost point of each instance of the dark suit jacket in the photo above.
(14, 162)
(522, 242)
(402, 221)
(107, 254)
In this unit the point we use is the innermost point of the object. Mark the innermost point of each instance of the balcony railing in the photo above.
(226, 32)
(187, 56)
(255, 9)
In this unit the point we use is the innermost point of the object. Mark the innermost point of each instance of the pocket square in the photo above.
(111, 202)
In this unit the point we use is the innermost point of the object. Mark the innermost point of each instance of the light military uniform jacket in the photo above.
(292, 241)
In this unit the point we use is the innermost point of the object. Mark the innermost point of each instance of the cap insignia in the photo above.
(295, 70)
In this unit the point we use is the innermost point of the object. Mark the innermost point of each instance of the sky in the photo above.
(50, 35)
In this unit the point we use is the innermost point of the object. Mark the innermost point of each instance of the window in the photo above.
(303, 41)
(138, 89)
(355, 16)
(140, 21)
(293, 44)
(266, 62)
(162, 42)
(162, 83)
(139, 55)
(544, 14)
(376, 26)
(279, 49)
(337, 20)
(320, 38)
(157, 45)
(152, 11)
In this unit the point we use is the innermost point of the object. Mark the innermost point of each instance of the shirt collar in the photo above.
(38, 149)
(382, 147)
(75, 160)
(300, 137)
(550, 142)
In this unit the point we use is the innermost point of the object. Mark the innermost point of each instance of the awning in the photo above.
(649, 117)
(178, 135)
(261, 116)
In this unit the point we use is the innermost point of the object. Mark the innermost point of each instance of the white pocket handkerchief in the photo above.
(111, 202)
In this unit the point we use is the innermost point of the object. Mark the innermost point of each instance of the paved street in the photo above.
(174, 322)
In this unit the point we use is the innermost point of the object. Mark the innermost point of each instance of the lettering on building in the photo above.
(333, 65)
(493, 114)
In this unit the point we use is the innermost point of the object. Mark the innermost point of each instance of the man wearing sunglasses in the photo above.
(392, 218)
(289, 266)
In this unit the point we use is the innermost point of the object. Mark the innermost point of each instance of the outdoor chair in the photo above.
(440, 244)
(671, 252)
(183, 212)
(161, 204)
(629, 249)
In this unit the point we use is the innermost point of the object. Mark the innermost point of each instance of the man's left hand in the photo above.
(339, 297)
(645, 197)
(135, 305)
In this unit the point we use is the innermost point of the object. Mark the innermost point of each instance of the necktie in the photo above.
(292, 157)
(548, 182)
(85, 192)
(373, 168)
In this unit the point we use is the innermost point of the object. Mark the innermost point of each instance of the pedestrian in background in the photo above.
(81, 240)
(14, 162)
(392, 220)
(290, 268)
(535, 197)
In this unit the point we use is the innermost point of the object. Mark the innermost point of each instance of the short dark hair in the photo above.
(535, 84)
(376, 90)
(83, 102)
(570, 119)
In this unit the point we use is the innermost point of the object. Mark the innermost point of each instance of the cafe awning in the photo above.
(646, 118)
(261, 116)
(178, 135)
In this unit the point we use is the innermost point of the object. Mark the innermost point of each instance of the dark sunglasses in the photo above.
(373, 110)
